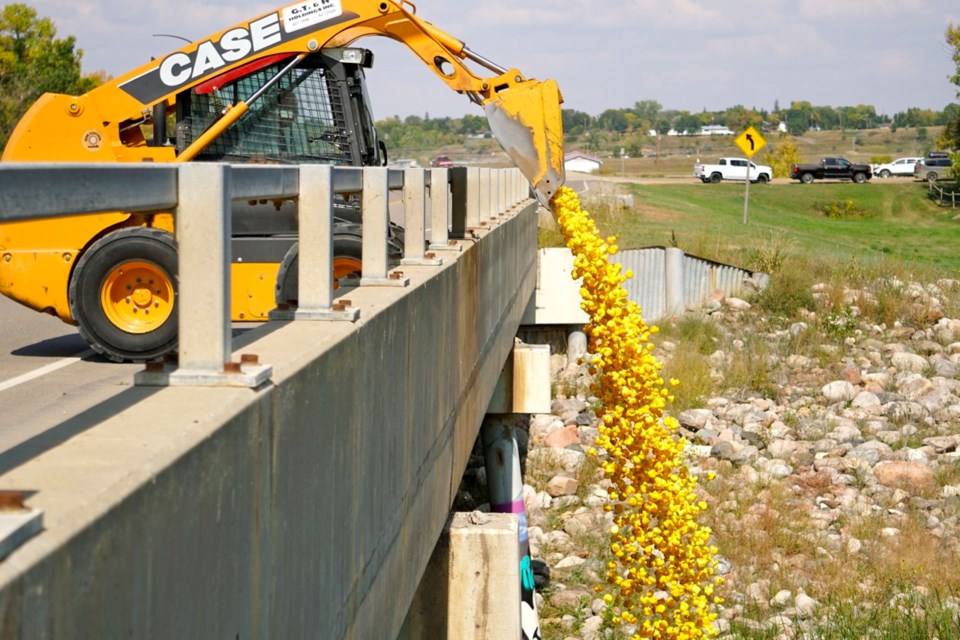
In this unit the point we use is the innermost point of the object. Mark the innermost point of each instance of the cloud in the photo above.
(686, 54)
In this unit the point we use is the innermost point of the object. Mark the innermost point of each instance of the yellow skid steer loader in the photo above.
(284, 87)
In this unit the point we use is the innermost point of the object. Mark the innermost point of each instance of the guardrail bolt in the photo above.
(249, 358)
(155, 366)
(232, 367)
(396, 275)
(338, 306)
(11, 500)
(429, 255)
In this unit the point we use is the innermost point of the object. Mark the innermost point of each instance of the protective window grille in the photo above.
(298, 120)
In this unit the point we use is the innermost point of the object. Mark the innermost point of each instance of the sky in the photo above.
(685, 54)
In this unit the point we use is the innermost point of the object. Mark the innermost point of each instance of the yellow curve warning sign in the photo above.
(750, 142)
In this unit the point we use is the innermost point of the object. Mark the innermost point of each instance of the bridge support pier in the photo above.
(471, 588)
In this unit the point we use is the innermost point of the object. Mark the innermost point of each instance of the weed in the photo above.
(789, 291)
(750, 370)
(838, 325)
(693, 371)
(770, 253)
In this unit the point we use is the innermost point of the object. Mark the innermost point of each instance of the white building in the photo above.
(715, 130)
(581, 162)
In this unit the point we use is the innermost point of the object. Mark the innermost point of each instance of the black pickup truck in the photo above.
(831, 169)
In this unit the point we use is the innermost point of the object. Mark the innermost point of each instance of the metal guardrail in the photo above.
(199, 195)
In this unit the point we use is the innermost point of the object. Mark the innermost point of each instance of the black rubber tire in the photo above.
(885, 173)
(347, 244)
(806, 178)
(859, 177)
(932, 177)
(144, 244)
(763, 178)
(716, 178)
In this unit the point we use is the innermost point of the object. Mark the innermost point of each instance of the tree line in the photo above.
(648, 115)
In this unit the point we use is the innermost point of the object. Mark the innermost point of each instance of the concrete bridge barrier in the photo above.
(307, 507)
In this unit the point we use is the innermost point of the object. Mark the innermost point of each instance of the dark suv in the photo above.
(936, 166)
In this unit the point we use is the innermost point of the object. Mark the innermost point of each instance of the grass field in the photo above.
(874, 222)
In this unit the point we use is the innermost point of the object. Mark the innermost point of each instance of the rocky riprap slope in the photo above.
(857, 453)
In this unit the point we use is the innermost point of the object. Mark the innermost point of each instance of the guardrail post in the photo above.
(376, 224)
(439, 207)
(459, 205)
(485, 200)
(315, 250)
(414, 219)
(203, 303)
(473, 199)
(502, 176)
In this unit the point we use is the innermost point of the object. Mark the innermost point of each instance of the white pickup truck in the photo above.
(732, 169)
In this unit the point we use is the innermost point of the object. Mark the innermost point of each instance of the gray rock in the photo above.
(871, 452)
(695, 419)
(746, 455)
(805, 605)
(914, 385)
(838, 391)
(943, 444)
(569, 562)
(562, 485)
(846, 432)
(723, 449)
(865, 400)
(911, 362)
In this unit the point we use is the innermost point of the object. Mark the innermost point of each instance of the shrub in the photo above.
(843, 210)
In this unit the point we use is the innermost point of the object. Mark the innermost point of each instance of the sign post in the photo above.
(750, 142)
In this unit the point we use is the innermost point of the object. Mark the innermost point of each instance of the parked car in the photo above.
(935, 166)
(442, 162)
(404, 163)
(832, 169)
(732, 169)
(898, 168)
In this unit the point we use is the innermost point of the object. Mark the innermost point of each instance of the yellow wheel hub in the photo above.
(137, 296)
(343, 267)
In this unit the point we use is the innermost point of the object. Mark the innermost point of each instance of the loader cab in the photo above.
(317, 112)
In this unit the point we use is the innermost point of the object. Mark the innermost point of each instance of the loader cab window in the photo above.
(300, 119)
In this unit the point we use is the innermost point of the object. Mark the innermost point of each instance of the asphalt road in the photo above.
(49, 381)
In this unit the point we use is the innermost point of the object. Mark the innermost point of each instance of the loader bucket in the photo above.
(526, 120)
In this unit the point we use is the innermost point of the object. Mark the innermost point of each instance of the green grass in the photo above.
(707, 221)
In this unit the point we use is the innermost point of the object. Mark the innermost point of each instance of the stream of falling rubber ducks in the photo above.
(662, 573)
